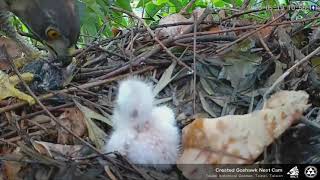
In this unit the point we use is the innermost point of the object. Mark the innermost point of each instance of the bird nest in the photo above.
(222, 68)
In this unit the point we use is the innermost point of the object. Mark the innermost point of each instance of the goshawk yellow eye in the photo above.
(53, 34)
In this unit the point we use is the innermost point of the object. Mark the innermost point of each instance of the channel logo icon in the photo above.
(294, 172)
(313, 7)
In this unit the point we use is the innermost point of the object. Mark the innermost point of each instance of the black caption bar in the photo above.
(257, 171)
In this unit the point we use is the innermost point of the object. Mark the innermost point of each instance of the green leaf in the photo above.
(177, 4)
(142, 3)
(239, 3)
(159, 2)
(153, 9)
(124, 4)
(219, 3)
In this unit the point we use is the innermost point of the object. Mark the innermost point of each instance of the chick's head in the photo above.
(134, 102)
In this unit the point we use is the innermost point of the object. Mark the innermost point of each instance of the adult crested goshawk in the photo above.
(53, 22)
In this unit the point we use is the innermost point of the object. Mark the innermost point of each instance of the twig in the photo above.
(265, 46)
(194, 66)
(136, 30)
(154, 50)
(188, 6)
(43, 106)
(285, 74)
(28, 116)
(310, 123)
(113, 53)
(18, 138)
(72, 89)
(245, 4)
(20, 160)
(246, 12)
(154, 37)
(245, 28)
(248, 34)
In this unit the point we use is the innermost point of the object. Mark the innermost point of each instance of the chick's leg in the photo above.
(27, 48)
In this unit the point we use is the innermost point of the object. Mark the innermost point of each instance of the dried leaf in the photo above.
(7, 87)
(41, 119)
(206, 105)
(10, 169)
(96, 135)
(73, 119)
(93, 115)
(57, 151)
(165, 79)
(244, 46)
(239, 139)
(243, 64)
(219, 100)
(197, 12)
(13, 50)
(162, 101)
(278, 72)
(206, 86)
(173, 30)
(265, 32)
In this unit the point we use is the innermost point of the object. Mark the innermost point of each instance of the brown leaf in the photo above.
(265, 32)
(172, 30)
(72, 119)
(57, 151)
(13, 51)
(11, 169)
(96, 134)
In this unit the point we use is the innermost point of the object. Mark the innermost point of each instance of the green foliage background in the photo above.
(98, 20)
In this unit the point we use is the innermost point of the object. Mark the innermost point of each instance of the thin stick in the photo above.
(28, 116)
(194, 66)
(72, 89)
(155, 49)
(285, 74)
(244, 28)
(43, 106)
(154, 37)
(265, 46)
(188, 6)
(248, 34)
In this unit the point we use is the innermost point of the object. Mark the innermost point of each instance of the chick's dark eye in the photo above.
(53, 34)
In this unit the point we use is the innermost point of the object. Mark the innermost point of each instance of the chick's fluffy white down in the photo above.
(157, 142)
(146, 134)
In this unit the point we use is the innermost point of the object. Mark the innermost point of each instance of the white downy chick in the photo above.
(134, 103)
(146, 134)
(157, 142)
